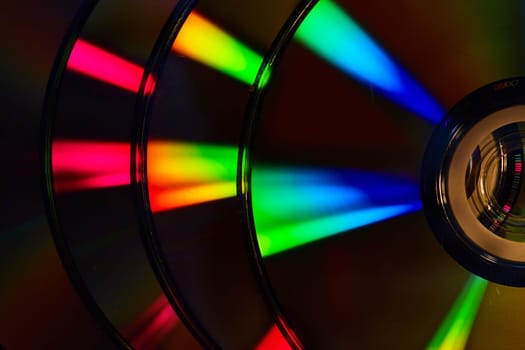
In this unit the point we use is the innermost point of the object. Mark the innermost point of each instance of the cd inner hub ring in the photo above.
(473, 185)
(482, 194)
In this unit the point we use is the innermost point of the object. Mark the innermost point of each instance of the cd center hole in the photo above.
(494, 183)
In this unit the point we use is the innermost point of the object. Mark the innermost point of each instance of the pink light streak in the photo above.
(99, 64)
(151, 329)
(80, 165)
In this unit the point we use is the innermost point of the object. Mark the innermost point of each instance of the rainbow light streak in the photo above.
(183, 174)
(179, 174)
(293, 207)
(288, 236)
(80, 165)
(455, 329)
(99, 64)
(337, 38)
(172, 163)
(204, 42)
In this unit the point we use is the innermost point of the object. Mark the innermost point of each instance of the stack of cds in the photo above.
(263, 175)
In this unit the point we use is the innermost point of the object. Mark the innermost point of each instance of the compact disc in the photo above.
(331, 173)
(326, 174)
(187, 161)
(88, 129)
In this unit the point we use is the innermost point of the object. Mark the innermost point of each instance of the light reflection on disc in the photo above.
(358, 92)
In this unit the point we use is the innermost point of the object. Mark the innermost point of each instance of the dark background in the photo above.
(39, 308)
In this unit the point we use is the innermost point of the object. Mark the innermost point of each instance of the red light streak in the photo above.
(170, 198)
(273, 340)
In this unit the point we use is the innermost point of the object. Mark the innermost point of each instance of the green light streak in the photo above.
(331, 33)
(183, 163)
(455, 329)
(274, 239)
(205, 42)
(295, 206)
(337, 38)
